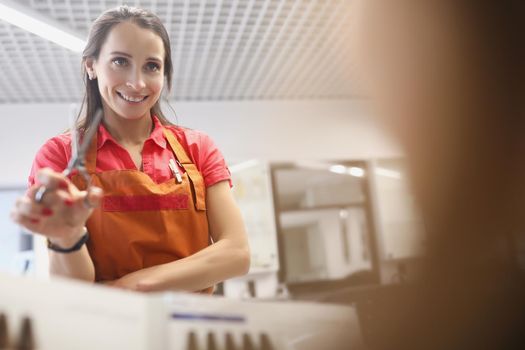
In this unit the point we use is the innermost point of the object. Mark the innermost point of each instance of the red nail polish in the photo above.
(63, 185)
(68, 202)
(47, 212)
(34, 221)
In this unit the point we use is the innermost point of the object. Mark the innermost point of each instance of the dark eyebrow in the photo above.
(120, 53)
(128, 55)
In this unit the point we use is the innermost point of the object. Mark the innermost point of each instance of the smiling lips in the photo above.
(132, 99)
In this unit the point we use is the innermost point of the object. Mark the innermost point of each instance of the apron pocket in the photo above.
(145, 203)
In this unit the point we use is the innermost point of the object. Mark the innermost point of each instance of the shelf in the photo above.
(324, 207)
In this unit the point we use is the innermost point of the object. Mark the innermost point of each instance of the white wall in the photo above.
(268, 130)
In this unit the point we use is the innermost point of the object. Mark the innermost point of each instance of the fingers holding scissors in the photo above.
(28, 213)
(56, 207)
(92, 197)
(60, 191)
(35, 216)
(60, 211)
(55, 188)
(50, 182)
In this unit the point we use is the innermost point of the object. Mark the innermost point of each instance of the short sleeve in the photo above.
(53, 154)
(211, 162)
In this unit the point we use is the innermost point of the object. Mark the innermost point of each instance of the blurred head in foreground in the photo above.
(447, 78)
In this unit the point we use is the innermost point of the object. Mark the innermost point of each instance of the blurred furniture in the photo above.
(66, 314)
(325, 227)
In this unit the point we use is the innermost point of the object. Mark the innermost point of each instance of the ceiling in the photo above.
(222, 50)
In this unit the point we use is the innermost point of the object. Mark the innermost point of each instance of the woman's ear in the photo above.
(90, 68)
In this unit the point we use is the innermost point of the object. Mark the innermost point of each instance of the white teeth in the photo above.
(132, 99)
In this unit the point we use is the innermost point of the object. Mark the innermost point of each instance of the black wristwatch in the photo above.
(74, 248)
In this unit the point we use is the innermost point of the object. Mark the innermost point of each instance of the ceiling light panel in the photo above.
(222, 50)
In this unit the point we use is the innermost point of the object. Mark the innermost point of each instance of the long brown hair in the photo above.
(97, 36)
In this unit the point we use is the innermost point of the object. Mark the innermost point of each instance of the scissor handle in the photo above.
(42, 190)
(78, 155)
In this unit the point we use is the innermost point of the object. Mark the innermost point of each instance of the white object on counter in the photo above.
(68, 314)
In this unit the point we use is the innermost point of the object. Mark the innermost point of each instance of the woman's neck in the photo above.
(128, 131)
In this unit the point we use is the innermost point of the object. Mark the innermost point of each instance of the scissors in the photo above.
(78, 153)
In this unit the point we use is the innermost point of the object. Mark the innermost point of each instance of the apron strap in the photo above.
(193, 173)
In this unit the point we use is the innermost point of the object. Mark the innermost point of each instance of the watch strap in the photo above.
(74, 248)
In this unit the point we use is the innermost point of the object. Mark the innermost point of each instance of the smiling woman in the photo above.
(130, 47)
(159, 193)
(129, 76)
(129, 70)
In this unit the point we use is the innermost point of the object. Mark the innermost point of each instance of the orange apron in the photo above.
(139, 223)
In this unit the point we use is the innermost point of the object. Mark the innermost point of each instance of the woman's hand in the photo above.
(144, 280)
(62, 214)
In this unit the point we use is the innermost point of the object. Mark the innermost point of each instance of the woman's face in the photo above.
(129, 70)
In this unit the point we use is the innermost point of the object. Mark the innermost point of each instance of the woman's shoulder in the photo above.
(63, 139)
(204, 152)
(190, 137)
(187, 132)
(54, 153)
(59, 143)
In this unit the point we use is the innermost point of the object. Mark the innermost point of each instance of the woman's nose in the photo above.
(136, 81)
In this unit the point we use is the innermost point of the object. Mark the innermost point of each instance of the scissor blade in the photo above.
(73, 115)
(86, 141)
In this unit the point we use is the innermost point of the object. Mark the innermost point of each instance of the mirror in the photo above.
(325, 226)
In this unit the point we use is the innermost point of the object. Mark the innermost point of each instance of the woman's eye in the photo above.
(120, 61)
(153, 67)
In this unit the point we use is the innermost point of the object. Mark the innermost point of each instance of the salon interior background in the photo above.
(270, 80)
(266, 79)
